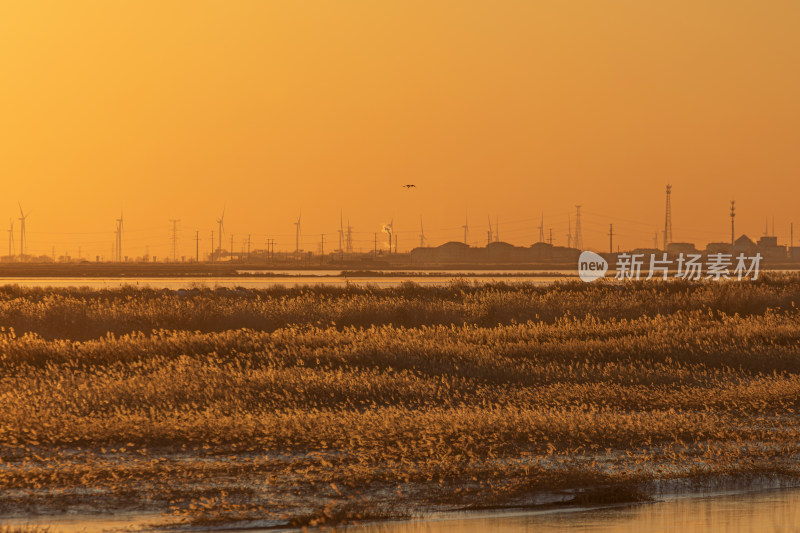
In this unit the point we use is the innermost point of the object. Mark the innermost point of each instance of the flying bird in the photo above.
(409, 185)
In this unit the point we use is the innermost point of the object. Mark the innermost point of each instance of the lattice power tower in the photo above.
(668, 218)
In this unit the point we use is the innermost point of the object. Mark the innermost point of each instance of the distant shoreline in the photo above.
(246, 270)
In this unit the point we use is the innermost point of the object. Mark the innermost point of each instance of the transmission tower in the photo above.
(578, 233)
(174, 239)
(668, 218)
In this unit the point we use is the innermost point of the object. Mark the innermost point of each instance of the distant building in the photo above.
(744, 245)
(495, 252)
(502, 252)
(718, 248)
(769, 248)
(677, 248)
(768, 241)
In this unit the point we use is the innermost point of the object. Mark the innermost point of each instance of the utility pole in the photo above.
(733, 215)
(611, 238)
(212, 246)
(322, 249)
(341, 235)
(668, 218)
(197, 246)
(569, 231)
(174, 239)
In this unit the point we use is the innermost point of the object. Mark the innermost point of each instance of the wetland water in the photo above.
(776, 510)
(258, 280)
(763, 511)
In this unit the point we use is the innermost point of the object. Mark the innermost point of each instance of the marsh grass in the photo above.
(322, 405)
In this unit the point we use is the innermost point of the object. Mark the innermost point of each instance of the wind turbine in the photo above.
(221, 223)
(119, 238)
(11, 239)
(389, 229)
(465, 227)
(541, 229)
(22, 218)
(297, 234)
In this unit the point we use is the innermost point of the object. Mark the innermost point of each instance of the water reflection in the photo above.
(768, 511)
(264, 282)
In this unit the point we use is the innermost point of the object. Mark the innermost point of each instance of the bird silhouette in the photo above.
(409, 185)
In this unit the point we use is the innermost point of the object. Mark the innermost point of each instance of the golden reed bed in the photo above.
(322, 405)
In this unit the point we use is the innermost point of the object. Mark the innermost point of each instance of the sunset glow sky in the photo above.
(180, 109)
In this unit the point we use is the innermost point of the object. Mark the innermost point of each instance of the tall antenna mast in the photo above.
(578, 232)
(668, 218)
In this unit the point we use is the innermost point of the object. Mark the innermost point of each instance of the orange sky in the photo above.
(176, 109)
